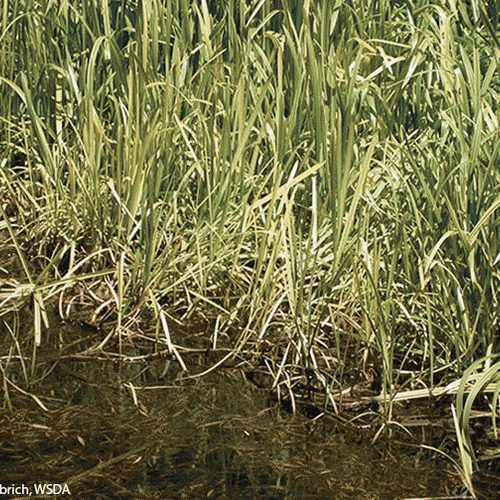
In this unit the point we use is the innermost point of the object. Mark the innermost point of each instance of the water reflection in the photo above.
(109, 437)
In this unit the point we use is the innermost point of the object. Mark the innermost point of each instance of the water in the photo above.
(214, 437)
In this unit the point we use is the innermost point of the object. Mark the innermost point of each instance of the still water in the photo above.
(136, 431)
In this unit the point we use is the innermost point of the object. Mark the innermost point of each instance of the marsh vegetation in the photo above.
(309, 189)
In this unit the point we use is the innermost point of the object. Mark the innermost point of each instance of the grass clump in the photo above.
(319, 179)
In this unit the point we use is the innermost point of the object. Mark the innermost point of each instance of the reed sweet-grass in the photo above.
(319, 175)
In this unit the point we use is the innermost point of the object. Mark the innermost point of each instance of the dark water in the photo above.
(212, 437)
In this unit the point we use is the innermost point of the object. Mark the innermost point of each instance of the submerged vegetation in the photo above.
(315, 183)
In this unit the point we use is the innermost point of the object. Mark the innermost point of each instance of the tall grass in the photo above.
(320, 176)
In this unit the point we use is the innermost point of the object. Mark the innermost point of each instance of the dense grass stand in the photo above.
(312, 185)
